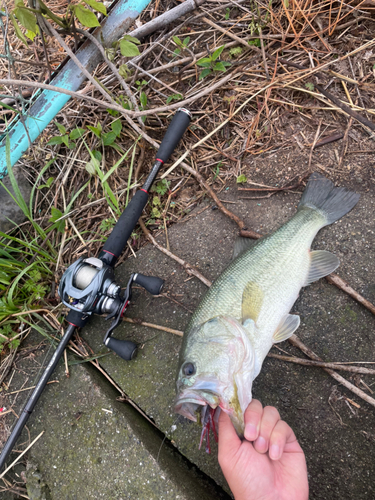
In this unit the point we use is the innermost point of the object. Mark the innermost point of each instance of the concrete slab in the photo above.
(10, 212)
(335, 435)
(97, 447)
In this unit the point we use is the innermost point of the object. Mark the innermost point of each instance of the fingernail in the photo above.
(251, 432)
(261, 445)
(274, 452)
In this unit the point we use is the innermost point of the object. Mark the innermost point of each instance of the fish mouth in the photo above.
(203, 403)
(196, 408)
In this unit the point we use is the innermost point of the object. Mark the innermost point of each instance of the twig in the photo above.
(322, 364)
(345, 143)
(345, 287)
(314, 142)
(294, 340)
(28, 388)
(135, 321)
(189, 269)
(21, 455)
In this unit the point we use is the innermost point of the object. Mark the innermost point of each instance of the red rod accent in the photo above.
(110, 253)
(144, 190)
(158, 159)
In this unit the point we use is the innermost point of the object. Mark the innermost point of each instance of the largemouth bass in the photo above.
(247, 309)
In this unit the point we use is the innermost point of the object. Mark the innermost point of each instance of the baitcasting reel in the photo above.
(88, 286)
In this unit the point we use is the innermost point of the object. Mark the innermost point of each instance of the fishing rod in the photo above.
(88, 285)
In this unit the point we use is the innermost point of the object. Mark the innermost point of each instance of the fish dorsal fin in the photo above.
(286, 328)
(252, 300)
(241, 245)
(322, 264)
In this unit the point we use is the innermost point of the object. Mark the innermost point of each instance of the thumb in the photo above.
(229, 442)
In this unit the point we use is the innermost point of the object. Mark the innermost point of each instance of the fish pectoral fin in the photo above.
(241, 245)
(322, 264)
(286, 328)
(252, 300)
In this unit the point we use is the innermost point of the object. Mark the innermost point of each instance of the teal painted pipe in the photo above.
(49, 103)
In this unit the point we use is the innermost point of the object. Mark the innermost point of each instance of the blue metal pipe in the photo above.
(49, 103)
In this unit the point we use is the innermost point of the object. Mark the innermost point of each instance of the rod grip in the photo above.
(175, 131)
(116, 241)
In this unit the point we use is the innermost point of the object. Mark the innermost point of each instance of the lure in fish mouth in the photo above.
(205, 386)
(247, 309)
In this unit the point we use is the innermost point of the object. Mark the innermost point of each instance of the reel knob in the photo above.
(126, 349)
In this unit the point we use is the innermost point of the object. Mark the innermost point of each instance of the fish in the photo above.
(246, 310)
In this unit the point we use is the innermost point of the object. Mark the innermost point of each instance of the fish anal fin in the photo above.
(322, 264)
(286, 328)
(252, 300)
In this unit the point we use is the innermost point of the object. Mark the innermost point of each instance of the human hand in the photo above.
(268, 464)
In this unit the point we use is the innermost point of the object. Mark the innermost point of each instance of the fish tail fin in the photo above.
(322, 195)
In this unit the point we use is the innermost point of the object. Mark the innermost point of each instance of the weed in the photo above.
(181, 46)
(241, 179)
(174, 97)
(211, 63)
(25, 17)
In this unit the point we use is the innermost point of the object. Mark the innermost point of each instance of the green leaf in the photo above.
(310, 86)
(186, 41)
(235, 51)
(76, 133)
(143, 99)
(227, 13)
(124, 71)
(176, 52)
(241, 179)
(205, 62)
(31, 34)
(255, 42)
(85, 16)
(55, 215)
(55, 140)
(17, 29)
(156, 201)
(47, 184)
(172, 97)
(131, 39)
(155, 212)
(117, 127)
(65, 140)
(26, 18)
(95, 130)
(128, 49)
(219, 66)
(204, 73)
(177, 41)
(98, 6)
(92, 166)
(97, 154)
(61, 128)
(161, 187)
(108, 138)
(217, 53)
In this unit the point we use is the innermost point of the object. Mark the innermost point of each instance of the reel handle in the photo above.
(126, 349)
(152, 284)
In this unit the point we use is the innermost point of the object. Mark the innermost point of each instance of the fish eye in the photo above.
(188, 369)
